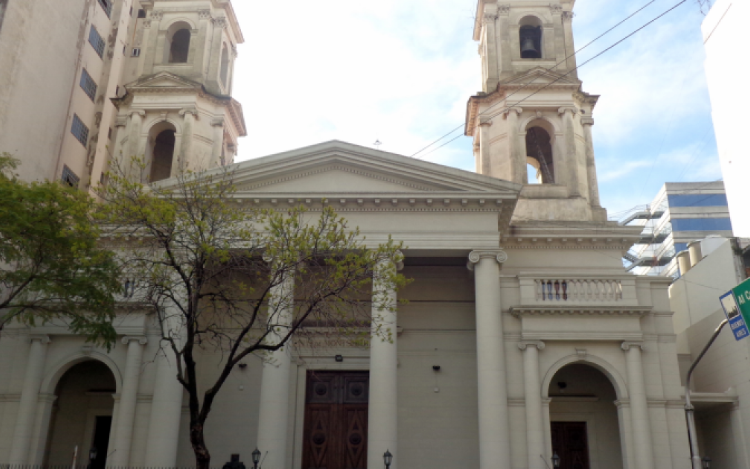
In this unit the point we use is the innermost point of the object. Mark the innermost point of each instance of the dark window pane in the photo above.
(88, 84)
(697, 200)
(701, 224)
(96, 41)
(79, 130)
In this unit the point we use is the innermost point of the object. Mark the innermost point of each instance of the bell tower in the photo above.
(532, 120)
(177, 112)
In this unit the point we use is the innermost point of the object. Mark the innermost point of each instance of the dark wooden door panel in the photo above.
(336, 420)
(570, 442)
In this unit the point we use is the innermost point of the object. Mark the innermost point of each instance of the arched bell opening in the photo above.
(585, 425)
(539, 153)
(530, 37)
(82, 416)
(533, 171)
(177, 48)
(162, 140)
(224, 74)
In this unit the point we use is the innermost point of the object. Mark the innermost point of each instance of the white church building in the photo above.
(523, 336)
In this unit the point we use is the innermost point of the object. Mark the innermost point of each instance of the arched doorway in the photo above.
(82, 416)
(583, 416)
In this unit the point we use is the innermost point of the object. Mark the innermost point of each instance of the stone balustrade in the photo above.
(577, 290)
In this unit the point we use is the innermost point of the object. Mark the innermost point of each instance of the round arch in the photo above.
(600, 364)
(58, 370)
(170, 27)
(529, 19)
(544, 122)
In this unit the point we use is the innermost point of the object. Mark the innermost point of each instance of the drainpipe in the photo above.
(689, 409)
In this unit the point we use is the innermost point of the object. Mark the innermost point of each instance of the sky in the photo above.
(401, 71)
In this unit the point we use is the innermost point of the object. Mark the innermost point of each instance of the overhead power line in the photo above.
(564, 75)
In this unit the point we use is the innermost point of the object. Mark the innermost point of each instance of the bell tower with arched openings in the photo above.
(531, 122)
(176, 111)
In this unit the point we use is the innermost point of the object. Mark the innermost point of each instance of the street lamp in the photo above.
(706, 462)
(555, 460)
(387, 458)
(256, 458)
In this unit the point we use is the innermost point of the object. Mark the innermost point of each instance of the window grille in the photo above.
(69, 177)
(79, 130)
(107, 6)
(136, 52)
(96, 41)
(88, 85)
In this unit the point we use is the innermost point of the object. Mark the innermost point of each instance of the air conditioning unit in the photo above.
(136, 52)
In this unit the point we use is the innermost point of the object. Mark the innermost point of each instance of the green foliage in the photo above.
(217, 271)
(52, 268)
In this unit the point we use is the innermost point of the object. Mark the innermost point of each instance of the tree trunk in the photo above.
(202, 456)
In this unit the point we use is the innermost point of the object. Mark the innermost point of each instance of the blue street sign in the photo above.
(736, 323)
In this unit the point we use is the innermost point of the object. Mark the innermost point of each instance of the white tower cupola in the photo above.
(178, 112)
(531, 121)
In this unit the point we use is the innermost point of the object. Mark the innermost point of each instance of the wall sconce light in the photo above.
(339, 358)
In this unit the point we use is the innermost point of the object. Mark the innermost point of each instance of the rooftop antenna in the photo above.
(377, 143)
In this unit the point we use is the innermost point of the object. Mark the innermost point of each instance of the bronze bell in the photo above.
(529, 50)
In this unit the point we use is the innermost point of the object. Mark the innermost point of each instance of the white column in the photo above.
(218, 144)
(120, 454)
(185, 160)
(494, 432)
(644, 451)
(591, 162)
(382, 426)
(571, 155)
(533, 392)
(738, 431)
(166, 406)
(274, 388)
(19, 450)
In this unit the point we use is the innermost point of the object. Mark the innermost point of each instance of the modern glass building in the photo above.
(680, 213)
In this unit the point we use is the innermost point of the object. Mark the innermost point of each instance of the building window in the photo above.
(106, 6)
(179, 47)
(96, 41)
(69, 177)
(79, 130)
(88, 85)
(701, 224)
(141, 13)
(3, 6)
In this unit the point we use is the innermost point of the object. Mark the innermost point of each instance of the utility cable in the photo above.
(548, 69)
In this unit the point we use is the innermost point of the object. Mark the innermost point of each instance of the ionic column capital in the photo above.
(140, 113)
(476, 256)
(129, 338)
(189, 111)
(513, 109)
(531, 343)
(586, 120)
(42, 338)
(571, 109)
(485, 121)
(627, 345)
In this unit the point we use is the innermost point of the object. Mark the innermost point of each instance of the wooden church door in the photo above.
(336, 420)
(570, 442)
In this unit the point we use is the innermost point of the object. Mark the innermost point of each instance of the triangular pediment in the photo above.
(333, 168)
(542, 76)
(163, 80)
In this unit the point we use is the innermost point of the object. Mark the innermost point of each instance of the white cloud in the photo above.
(622, 170)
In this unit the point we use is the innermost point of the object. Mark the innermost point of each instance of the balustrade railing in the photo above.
(578, 290)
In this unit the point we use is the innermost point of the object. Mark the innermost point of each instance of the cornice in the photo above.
(336, 167)
(572, 310)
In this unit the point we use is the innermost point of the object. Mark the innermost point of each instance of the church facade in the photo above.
(522, 336)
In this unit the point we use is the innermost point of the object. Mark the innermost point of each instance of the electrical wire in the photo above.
(552, 69)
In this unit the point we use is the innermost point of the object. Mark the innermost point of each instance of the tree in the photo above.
(221, 275)
(52, 267)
